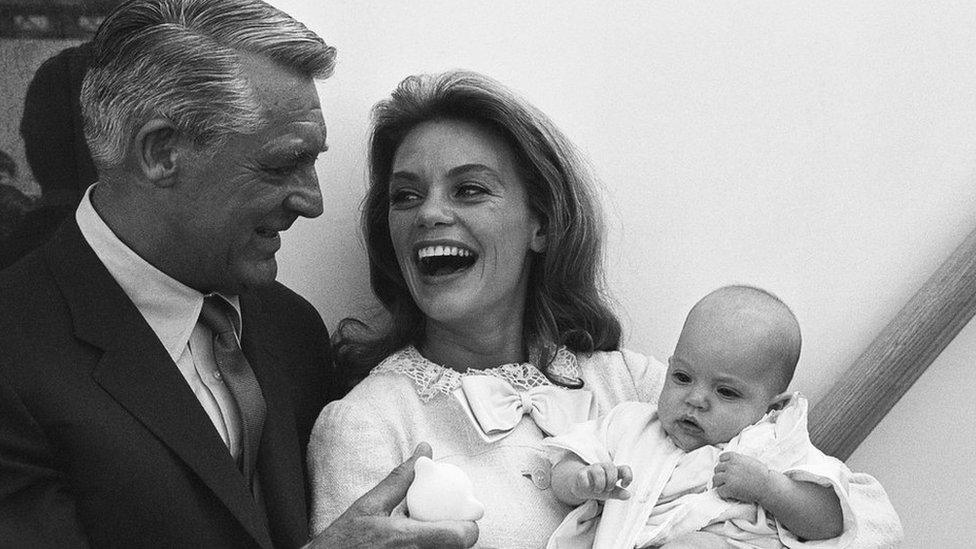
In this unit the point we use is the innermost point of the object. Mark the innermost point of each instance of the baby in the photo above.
(724, 455)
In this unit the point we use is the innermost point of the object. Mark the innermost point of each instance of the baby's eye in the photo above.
(726, 392)
(681, 377)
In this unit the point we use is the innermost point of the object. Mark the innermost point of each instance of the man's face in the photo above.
(231, 204)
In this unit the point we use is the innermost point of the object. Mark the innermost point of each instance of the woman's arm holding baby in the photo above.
(808, 510)
(574, 482)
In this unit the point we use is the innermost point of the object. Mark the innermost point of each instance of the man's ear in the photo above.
(157, 151)
(779, 401)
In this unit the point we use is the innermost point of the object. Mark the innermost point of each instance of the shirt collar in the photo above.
(170, 307)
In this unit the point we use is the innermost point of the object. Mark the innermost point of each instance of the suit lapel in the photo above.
(138, 373)
(279, 459)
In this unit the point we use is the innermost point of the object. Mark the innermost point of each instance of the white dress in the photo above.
(407, 400)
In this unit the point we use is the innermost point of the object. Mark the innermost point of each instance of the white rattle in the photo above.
(441, 491)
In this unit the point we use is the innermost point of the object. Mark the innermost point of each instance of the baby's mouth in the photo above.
(444, 260)
(689, 424)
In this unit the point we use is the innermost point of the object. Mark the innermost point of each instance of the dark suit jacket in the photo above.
(102, 442)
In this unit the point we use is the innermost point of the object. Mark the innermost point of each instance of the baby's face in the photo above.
(709, 397)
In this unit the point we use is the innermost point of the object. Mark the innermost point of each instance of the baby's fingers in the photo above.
(584, 484)
(625, 474)
(598, 477)
(718, 479)
(620, 493)
(610, 477)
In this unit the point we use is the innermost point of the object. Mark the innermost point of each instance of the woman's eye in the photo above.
(681, 377)
(469, 190)
(402, 197)
(725, 392)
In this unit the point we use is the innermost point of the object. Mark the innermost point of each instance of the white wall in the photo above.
(823, 150)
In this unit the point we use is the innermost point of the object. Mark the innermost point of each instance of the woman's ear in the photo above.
(539, 239)
(157, 148)
(780, 401)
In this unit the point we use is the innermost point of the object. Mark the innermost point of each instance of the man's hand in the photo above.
(741, 478)
(367, 522)
(599, 481)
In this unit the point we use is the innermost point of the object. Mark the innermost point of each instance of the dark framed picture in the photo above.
(51, 19)
(43, 157)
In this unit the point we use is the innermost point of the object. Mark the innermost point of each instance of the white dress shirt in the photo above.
(172, 310)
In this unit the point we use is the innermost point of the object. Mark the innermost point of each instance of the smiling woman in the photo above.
(485, 248)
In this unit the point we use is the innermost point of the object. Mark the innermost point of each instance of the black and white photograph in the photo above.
(509, 275)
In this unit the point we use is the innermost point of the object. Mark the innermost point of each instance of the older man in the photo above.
(157, 386)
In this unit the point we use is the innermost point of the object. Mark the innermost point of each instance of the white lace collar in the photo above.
(431, 379)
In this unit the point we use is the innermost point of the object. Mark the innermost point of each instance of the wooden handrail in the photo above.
(862, 396)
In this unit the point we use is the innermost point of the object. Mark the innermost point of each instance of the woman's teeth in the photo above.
(444, 260)
(434, 251)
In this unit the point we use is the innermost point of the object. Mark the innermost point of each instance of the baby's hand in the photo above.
(741, 478)
(599, 481)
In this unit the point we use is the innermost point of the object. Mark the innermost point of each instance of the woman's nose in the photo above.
(435, 210)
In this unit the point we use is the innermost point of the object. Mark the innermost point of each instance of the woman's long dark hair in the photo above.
(565, 304)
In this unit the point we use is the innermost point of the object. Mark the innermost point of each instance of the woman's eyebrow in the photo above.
(404, 175)
(469, 168)
(463, 169)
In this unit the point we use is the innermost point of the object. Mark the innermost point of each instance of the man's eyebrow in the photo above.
(311, 133)
(296, 144)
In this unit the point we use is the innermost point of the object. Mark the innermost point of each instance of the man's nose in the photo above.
(434, 210)
(306, 198)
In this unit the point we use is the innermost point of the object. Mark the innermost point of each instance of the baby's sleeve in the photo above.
(600, 440)
(586, 440)
(869, 519)
(350, 451)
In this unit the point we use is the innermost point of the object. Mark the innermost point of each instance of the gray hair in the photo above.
(181, 60)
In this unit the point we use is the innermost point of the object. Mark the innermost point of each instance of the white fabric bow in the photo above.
(495, 407)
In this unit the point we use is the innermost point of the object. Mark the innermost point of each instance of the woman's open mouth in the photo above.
(444, 260)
